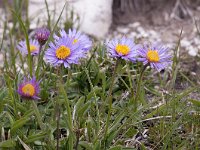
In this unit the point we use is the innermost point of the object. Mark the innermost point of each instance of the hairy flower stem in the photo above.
(38, 61)
(38, 116)
(131, 83)
(57, 110)
(58, 124)
(139, 88)
(69, 120)
(96, 100)
(39, 120)
(109, 98)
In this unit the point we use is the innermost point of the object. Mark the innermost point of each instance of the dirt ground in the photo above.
(164, 23)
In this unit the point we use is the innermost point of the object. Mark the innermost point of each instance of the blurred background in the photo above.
(142, 20)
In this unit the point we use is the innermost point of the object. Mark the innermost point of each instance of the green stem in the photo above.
(131, 84)
(138, 88)
(109, 98)
(58, 123)
(57, 110)
(69, 121)
(9, 85)
(37, 113)
(96, 103)
(41, 124)
(48, 14)
(27, 41)
(39, 61)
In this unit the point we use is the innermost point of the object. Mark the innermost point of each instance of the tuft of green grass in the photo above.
(95, 105)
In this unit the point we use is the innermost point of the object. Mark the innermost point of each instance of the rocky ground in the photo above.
(189, 50)
(157, 28)
(190, 38)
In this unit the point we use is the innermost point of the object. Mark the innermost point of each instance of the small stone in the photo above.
(133, 34)
(123, 30)
(153, 33)
(140, 30)
(193, 73)
(1, 60)
(134, 25)
(193, 51)
(197, 41)
(185, 43)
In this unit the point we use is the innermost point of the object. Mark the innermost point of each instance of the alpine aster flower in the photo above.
(157, 56)
(34, 47)
(42, 35)
(63, 51)
(29, 89)
(78, 38)
(123, 48)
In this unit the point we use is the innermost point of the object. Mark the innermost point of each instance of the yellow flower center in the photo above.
(33, 48)
(28, 89)
(153, 56)
(63, 52)
(122, 49)
(75, 41)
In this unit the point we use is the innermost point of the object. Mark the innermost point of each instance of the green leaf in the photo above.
(10, 117)
(26, 147)
(130, 132)
(86, 145)
(8, 144)
(35, 137)
(84, 108)
(96, 90)
(195, 102)
(22, 25)
(116, 123)
(79, 104)
(112, 135)
(97, 145)
(127, 148)
(116, 148)
(18, 124)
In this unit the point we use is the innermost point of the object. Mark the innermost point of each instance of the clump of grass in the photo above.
(105, 102)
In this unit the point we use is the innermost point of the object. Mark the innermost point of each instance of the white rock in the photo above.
(140, 30)
(145, 34)
(196, 40)
(95, 16)
(185, 43)
(123, 30)
(132, 34)
(38, 11)
(193, 51)
(1, 60)
(134, 25)
(153, 33)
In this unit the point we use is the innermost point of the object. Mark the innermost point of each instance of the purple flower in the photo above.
(29, 89)
(63, 51)
(42, 35)
(156, 55)
(123, 48)
(34, 47)
(78, 38)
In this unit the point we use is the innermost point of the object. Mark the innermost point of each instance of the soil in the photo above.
(163, 21)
